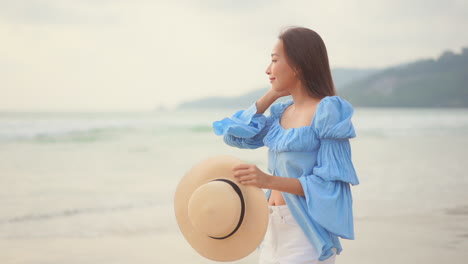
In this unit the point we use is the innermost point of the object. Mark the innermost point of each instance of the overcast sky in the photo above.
(67, 55)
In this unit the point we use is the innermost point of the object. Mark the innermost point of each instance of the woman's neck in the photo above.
(302, 99)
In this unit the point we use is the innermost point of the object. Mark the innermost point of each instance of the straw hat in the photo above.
(221, 219)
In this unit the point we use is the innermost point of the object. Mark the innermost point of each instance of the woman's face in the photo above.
(282, 76)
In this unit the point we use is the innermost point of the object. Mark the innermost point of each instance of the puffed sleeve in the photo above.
(245, 129)
(327, 190)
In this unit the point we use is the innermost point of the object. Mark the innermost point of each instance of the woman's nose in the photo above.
(268, 70)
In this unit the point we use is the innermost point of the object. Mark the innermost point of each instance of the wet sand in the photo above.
(435, 237)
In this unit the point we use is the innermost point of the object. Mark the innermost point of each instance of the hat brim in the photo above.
(253, 228)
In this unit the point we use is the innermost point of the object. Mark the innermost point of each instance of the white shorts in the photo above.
(286, 243)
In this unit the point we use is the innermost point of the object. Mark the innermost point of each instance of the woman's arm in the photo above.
(249, 174)
(247, 128)
(267, 99)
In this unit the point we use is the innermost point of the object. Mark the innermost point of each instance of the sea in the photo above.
(98, 187)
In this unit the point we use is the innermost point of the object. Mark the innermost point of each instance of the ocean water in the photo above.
(98, 187)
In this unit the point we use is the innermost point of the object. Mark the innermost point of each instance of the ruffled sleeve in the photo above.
(327, 190)
(245, 129)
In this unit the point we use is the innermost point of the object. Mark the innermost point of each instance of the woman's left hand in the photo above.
(249, 174)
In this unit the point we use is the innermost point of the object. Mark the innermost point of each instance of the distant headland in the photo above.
(441, 82)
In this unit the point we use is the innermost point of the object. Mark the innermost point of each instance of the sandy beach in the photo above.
(105, 195)
(438, 237)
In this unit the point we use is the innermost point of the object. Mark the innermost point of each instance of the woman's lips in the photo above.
(272, 79)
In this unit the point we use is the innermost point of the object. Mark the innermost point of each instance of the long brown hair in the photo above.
(307, 55)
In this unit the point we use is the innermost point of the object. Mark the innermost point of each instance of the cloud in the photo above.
(53, 12)
(103, 54)
(233, 6)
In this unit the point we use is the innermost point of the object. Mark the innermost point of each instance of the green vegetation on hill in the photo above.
(426, 83)
(441, 82)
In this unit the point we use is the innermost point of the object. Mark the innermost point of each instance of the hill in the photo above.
(341, 77)
(441, 82)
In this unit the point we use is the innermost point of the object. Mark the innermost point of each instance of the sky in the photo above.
(138, 55)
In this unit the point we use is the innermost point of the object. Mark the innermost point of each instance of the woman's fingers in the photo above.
(247, 181)
(246, 177)
(240, 173)
(243, 166)
(248, 174)
(244, 169)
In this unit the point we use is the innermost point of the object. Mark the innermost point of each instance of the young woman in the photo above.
(309, 160)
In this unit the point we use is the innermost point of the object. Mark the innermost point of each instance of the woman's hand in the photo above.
(275, 94)
(267, 99)
(249, 174)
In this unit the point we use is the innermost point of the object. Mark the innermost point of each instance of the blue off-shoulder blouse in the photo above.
(319, 155)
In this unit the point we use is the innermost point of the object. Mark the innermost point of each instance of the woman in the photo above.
(309, 158)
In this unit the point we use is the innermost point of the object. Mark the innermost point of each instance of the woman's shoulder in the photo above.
(277, 109)
(333, 106)
(333, 118)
